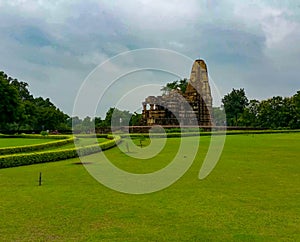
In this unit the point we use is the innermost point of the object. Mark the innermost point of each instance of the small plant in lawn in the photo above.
(44, 133)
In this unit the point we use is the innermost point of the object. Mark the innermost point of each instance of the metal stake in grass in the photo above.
(40, 179)
(127, 147)
(142, 138)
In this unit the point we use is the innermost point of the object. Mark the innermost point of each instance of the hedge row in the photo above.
(168, 135)
(235, 132)
(91, 135)
(35, 136)
(28, 148)
(49, 156)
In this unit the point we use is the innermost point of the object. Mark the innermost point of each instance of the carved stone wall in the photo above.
(192, 107)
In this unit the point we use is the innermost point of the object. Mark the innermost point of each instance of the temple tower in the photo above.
(198, 93)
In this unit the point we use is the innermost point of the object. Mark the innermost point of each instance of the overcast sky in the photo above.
(54, 45)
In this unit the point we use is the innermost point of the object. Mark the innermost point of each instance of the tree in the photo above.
(98, 122)
(22, 88)
(10, 103)
(117, 117)
(180, 85)
(26, 118)
(234, 104)
(48, 116)
(219, 117)
(74, 121)
(183, 83)
(135, 119)
(277, 112)
(86, 125)
(249, 116)
(295, 122)
(20, 110)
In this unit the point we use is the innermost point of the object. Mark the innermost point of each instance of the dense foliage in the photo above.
(179, 85)
(234, 104)
(21, 159)
(36, 147)
(276, 112)
(19, 110)
(113, 117)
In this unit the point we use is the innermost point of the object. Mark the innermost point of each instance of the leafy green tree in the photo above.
(48, 117)
(10, 103)
(20, 110)
(116, 117)
(98, 122)
(249, 116)
(295, 121)
(219, 117)
(234, 104)
(73, 121)
(277, 112)
(179, 84)
(83, 126)
(135, 119)
(87, 124)
(108, 117)
(27, 117)
(183, 83)
(22, 88)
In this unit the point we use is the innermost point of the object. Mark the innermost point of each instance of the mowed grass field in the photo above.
(10, 142)
(253, 194)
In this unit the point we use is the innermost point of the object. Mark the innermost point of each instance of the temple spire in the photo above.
(170, 109)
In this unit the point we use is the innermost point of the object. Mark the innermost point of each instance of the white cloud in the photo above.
(55, 11)
(277, 29)
(155, 14)
(57, 43)
(275, 23)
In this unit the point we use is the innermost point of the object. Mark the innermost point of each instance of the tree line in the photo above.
(113, 117)
(275, 113)
(237, 110)
(20, 111)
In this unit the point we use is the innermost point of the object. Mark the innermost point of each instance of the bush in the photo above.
(56, 155)
(44, 133)
(28, 148)
(91, 135)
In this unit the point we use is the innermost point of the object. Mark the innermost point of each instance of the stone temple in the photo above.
(194, 107)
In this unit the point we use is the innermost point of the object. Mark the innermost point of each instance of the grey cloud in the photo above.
(54, 45)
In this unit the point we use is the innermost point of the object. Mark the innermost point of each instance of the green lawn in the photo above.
(80, 142)
(253, 194)
(10, 142)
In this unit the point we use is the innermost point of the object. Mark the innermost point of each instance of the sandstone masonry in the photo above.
(194, 107)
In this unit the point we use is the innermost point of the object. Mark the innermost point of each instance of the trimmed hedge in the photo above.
(183, 134)
(91, 135)
(50, 156)
(63, 140)
(168, 135)
(35, 136)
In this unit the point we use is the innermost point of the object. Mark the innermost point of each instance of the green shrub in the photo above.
(44, 133)
(34, 136)
(56, 155)
(91, 135)
(28, 148)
